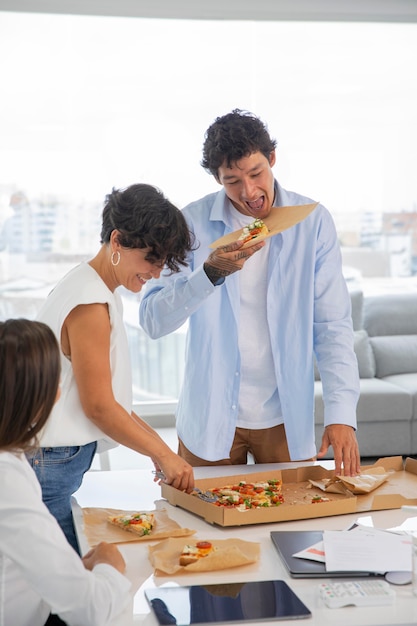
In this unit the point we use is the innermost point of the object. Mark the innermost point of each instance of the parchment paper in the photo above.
(363, 483)
(97, 528)
(164, 556)
(279, 219)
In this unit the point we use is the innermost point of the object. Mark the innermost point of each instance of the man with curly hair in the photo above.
(258, 316)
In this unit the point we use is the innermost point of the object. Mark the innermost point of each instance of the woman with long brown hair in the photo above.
(39, 571)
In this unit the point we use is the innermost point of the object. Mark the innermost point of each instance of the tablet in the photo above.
(230, 602)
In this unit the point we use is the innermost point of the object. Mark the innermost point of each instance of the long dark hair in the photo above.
(30, 371)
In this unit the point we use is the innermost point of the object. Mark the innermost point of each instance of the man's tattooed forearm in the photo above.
(222, 269)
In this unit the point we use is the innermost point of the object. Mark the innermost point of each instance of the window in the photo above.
(90, 103)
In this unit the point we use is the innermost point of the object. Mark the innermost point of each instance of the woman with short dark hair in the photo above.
(142, 232)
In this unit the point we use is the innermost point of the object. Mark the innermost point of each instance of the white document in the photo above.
(316, 551)
(313, 553)
(367, 549)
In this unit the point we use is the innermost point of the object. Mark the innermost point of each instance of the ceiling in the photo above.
(299, 10)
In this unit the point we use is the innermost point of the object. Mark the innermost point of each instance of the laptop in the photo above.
(288, 542)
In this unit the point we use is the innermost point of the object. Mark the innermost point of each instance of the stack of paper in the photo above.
(362, 548)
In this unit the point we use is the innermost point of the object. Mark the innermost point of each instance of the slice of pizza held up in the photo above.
(192, 553)
(138, 523)
(253, 230)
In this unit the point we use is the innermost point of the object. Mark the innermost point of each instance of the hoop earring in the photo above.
(112, 258)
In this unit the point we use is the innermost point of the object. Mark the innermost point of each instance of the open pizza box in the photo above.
(279, 219)
(399, 489)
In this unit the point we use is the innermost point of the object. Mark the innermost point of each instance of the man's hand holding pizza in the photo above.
(226, 260)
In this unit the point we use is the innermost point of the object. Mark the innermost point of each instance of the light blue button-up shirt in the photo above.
(308, 312)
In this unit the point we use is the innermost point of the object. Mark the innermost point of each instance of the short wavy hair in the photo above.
(232, 137)
(145, 218)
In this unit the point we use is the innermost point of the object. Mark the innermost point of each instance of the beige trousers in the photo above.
(267, 445)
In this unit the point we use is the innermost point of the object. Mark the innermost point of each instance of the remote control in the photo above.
(359, 593)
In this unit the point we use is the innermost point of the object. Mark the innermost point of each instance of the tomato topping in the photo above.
(203, 545)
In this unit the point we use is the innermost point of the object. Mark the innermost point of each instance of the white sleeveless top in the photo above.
(68, 425)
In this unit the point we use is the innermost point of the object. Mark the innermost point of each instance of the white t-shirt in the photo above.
(68, 425)
(259, 405)
(39, 571)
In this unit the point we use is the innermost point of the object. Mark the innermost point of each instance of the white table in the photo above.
(135, 489)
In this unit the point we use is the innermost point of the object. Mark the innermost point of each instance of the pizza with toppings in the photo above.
(191, 553)
(245, 495)
(253, 230)
(138, 523)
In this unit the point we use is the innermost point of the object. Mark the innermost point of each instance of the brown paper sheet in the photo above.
(279, 219)
(363, 483)
(97, 528)
(164, 556)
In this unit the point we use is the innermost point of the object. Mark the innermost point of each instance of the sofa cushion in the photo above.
(364, 355)
(395, 354)
(388, 442)
(390, 314)
(356, 298)
(379, 401)
(408, 382)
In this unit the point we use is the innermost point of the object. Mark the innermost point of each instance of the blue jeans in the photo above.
(60, 472)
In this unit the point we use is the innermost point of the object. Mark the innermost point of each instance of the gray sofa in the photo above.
(386, 348)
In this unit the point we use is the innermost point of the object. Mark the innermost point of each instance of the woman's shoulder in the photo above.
(82, 284)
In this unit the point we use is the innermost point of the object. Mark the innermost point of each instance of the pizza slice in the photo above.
(192, 553)
(138, 523)
(253, 230)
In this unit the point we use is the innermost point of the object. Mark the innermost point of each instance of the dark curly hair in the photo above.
(232, 137)
(145, 218)
(30, 370)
